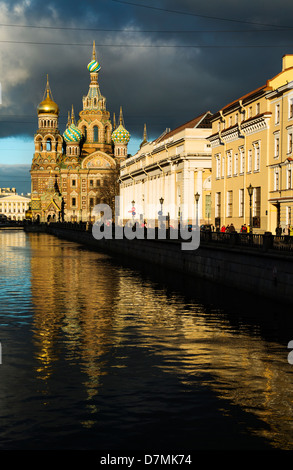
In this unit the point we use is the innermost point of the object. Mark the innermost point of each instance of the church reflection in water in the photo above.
(98, 316)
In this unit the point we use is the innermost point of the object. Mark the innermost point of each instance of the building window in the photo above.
(91, 202)
(98, 183)
(289, 150)
(96, 134)
(218, 166)
(241, 202)
(277, 146)
(73, 202)
(257, 108)
(48, 145)
(91, 183)
(223, 167)
(229, 203)
(290, 110)
(256, 206)
(289, 177)
(218, 205)
(249, 161)
(277, 114)
(73, 182)
(236, 164)
(208, 205)
(236, 118)
(276, 179)
(229, 163)
(256, 156)
(250, 111)
(242, 160)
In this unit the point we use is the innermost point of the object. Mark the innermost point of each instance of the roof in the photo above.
(14, 198)
(201, 121)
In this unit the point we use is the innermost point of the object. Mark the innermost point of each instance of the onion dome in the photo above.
(94, 66)
(120, 135)
(72, 133)
(48, 106)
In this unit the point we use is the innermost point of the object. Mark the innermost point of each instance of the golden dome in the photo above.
(48, 106)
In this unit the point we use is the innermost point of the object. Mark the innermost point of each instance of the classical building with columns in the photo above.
(165, 174)
(69, 170)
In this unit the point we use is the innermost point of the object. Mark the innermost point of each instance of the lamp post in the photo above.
(161, 212)
(250, 192)
(196, 197)
(133, 211)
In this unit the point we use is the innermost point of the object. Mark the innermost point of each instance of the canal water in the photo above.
(99, 354)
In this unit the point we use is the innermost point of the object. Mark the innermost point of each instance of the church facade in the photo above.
(74, 171)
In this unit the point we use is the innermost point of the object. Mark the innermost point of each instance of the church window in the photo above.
(48, 145)
(96, 134)
(73, 182)
(91, 183)
(91, 202)
(84, 131)
(73, 202)
(98, 182)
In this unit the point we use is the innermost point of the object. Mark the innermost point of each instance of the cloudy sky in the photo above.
(163, 61)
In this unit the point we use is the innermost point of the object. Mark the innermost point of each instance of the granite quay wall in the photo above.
(259, 264)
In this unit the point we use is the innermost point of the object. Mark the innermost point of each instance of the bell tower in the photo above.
(48, 152)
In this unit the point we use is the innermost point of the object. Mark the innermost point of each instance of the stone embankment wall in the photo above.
(263, 273)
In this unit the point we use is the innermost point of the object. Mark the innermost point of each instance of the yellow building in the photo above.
(165, 175)
(251, 145)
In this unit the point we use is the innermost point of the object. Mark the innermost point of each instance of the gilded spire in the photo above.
(145, 138)
(68, 120)
(114, 121)
(72, 116)
(94, 51)
(121, 117)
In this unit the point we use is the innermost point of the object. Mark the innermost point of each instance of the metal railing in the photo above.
(260, 242)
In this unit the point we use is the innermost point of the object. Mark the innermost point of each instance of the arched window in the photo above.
(84, 131)
(96, 134)
(48, 145)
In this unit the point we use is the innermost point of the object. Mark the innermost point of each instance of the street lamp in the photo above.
(196, 197)
(250, 192)
(161, 212)
(133, 211)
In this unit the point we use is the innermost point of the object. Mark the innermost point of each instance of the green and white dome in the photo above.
(72, 134)
(94, 66)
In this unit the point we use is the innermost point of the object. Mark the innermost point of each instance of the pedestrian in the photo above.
(223, 229)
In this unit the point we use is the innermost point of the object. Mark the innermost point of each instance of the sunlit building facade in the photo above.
(14, 206)
(164, 176)
(251, 145)
(69, 170)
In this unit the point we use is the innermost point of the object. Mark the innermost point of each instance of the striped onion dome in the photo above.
(94, 66)
(72, 134)
(120, 135)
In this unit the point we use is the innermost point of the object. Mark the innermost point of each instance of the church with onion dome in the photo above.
(69, 169)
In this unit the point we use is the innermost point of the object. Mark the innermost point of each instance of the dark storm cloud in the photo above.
(164, 83)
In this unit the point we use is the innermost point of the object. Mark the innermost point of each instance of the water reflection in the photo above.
(110, 337)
